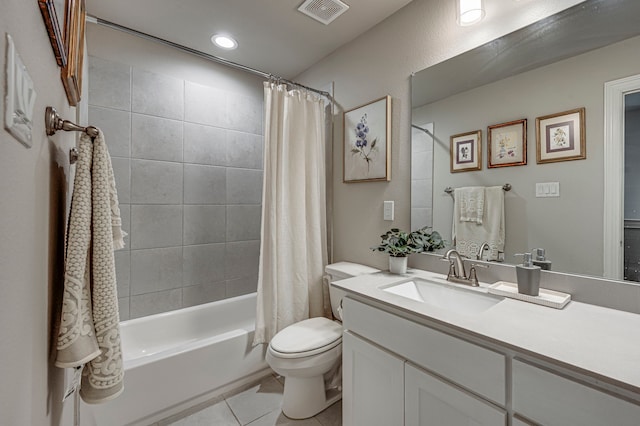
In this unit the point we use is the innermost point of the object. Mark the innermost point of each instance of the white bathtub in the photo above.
(179, 359)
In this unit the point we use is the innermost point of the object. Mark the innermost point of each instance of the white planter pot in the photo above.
(398, 265)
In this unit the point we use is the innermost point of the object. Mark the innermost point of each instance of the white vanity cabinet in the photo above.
(391, 363)
(373, 384)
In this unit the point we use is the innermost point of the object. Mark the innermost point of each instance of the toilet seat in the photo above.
(306, 338)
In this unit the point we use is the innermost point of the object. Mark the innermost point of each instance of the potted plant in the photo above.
(400, 244)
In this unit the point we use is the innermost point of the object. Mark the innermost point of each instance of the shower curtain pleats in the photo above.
(293, 250)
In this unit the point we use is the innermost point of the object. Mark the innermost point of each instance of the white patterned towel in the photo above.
(89, 333)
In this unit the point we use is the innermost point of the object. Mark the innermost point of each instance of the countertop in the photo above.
(599, 342)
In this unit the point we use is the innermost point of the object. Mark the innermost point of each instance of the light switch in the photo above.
(388, 210)
(547, 189)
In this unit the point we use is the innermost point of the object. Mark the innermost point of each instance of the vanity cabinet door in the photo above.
(373, 384)
(431, 401)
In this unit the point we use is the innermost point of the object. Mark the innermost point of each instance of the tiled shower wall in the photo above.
(187, 160)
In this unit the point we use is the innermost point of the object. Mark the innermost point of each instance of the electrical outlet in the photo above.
(388, 210)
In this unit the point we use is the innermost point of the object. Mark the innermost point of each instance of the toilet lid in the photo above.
(307, 335)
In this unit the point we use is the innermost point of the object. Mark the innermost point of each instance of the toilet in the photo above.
(307, 351)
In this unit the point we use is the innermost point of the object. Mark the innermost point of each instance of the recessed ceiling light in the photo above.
(224, 41)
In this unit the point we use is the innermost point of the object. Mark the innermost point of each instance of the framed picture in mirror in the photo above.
(561, 137)
(74, 43)
(53, 13)
(367, 142)
(466, 151)
(507, 144)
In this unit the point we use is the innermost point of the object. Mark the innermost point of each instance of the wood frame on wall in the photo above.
(74, 41)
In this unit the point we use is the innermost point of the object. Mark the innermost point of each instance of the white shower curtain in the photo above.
(293, 251)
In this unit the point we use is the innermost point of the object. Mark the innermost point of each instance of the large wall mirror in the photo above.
(557, 64)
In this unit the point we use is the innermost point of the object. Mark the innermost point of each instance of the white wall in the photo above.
(380, 62)
(33, 188)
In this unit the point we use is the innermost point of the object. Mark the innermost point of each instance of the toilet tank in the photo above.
(340, 271)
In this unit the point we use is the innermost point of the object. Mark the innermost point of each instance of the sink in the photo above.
(443, 296)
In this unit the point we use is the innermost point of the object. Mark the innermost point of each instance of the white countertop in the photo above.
(600, 342)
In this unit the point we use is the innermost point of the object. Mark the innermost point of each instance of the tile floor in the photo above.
(255, 405)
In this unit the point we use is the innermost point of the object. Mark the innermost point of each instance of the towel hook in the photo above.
(53, 123)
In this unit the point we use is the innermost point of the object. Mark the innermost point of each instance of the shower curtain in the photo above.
(293, 251)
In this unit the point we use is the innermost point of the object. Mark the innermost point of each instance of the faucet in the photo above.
(457, 273)
(483, 247)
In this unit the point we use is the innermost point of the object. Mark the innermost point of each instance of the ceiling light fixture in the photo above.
(470, 12)
(224, 41)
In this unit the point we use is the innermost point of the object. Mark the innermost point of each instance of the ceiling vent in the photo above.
(324, 11)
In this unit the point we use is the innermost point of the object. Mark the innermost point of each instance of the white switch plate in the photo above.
(388, 210)
(547, 189)
(21, 97)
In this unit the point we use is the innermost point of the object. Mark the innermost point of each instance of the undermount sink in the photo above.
(444, 296)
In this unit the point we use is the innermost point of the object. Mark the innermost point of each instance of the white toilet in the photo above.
(306, 351)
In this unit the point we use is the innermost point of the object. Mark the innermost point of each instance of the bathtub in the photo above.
(179, 359)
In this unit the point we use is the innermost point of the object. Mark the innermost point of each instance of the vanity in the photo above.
(419, 350)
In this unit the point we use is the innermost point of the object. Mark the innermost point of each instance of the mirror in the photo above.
(557, 64)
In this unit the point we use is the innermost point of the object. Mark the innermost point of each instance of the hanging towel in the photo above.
(470, 201)
(89, 333)
(468, 236)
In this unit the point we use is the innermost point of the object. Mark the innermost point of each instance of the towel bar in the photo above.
(53, 123)
(505, 187)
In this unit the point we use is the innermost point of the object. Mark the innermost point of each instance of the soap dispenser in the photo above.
(528, 276)
(540, 260)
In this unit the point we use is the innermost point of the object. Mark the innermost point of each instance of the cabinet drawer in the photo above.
(472, 367)
(550, 399)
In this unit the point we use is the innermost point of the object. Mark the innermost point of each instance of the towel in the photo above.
(88, 333)
(468, 236)
(470, 201)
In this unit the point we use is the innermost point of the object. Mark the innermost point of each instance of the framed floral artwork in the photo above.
(561, 137)
(466, 151)
(367, 142)
(507, 144)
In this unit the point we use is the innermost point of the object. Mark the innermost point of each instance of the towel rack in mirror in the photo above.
(505, 187)
(53, 122)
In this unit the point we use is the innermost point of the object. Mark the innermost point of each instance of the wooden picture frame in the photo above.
(466, 151)
(74, 42)
(507, 144)
(367, 142)
(54, 14)
(561, 137)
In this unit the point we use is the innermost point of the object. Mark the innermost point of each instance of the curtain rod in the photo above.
(203, 55)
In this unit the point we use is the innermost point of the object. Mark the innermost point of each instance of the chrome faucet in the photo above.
(483, 247)
(457, 273)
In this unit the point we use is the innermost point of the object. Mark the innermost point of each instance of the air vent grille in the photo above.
(324, 11)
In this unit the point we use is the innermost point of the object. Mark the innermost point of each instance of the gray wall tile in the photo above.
(204, 145)
(205, 105)
(157, 94)
(123, 271)
(244, 150)
(123, 308)
(155, 269)
(204, 184)
(240, 286)
(199, 294)
(154, 303)
(243, 222)
(109, 84)
(156, 182)
(204, 264)
(245, 113)
(116, 126)
(244, 186)
(154, 138)
(204, 224)
(241, 259)
(122, 174)
(154, 226)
